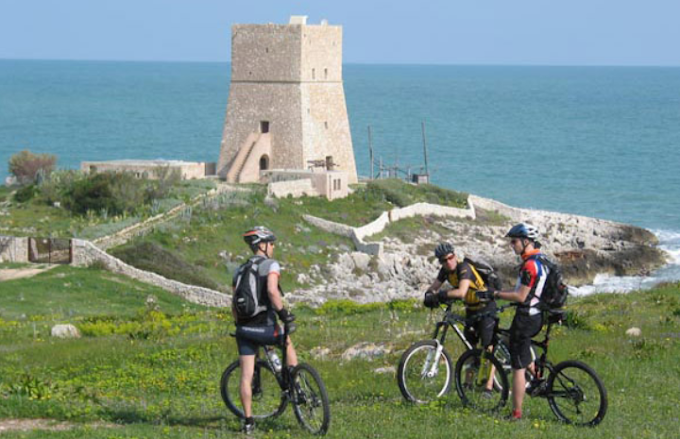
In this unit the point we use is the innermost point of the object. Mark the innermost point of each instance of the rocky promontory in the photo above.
(583, 246)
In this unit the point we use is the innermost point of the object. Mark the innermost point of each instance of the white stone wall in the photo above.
(13, 249)
(85, 253)
(358, 234)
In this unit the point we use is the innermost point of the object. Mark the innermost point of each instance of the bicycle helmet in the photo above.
(523, 230)
(443, 249)
(257, 235)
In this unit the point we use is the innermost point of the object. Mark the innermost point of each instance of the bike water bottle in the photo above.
(276, 363)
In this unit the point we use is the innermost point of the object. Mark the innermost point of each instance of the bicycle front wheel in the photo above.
(423, 378)
(268, 400)
(576, 394)
(310, 400)
(477, 386)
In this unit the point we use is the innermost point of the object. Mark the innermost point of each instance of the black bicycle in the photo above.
(426, 370)
(575, 393)
(274, 386)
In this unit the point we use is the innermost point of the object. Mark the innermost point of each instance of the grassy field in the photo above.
(150, 370)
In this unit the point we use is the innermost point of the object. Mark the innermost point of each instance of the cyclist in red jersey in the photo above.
(528, 318)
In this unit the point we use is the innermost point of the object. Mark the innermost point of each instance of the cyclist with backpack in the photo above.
(467, 283)
(528, 319)
(257, 301)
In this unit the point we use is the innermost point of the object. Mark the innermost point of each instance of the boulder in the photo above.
(366, 351)
(320, 353)
(65, 331)
(633, 332)
(389, 369)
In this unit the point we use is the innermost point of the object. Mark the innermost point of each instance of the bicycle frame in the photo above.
(450, 320)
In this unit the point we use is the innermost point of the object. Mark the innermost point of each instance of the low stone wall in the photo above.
(358, 234)
(423, 209)
(13, 249)
(86, 253)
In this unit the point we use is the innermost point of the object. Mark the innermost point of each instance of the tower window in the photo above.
(325, 73)
(264, 126)
(313, 73)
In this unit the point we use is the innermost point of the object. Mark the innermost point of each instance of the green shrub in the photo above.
(25, 193)
(54, 188)
(576, 320)
(106, 192)
(402, 194)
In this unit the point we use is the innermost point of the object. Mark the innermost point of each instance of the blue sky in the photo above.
(533, 32)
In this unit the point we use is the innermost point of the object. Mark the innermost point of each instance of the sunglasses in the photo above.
(446, 259)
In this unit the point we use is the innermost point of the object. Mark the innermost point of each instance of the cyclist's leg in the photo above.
(472, 336)
(248, 340)
(485, 328)
(523, 328)
(291, 355)
(247, 363)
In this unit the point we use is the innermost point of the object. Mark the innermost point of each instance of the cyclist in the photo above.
(528, 318)
(466, 283)
(261, 329)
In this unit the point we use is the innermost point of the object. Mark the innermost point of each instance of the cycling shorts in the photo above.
(250, 338)
(481, 330)
(524, 327)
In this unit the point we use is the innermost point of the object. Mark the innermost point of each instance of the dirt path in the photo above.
(44, 424)
(18, 273)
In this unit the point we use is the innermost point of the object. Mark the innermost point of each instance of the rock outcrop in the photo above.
(584, 247)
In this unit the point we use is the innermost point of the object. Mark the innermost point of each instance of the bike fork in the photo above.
(431, 366)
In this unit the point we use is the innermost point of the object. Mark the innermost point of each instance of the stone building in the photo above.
(286, 108)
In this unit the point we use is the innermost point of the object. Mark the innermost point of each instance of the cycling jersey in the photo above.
(532, 274)
(465, 270)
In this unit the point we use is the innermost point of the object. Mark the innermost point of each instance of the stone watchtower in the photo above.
(286, 106)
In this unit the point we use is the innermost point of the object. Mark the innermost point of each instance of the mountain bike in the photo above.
(426, 370)
(575, 393)
(275, 386)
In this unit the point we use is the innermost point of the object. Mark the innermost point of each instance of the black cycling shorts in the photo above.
(250, 338)
(482, 329)
(524, 327)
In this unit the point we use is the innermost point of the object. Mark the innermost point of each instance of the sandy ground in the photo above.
(18, 273)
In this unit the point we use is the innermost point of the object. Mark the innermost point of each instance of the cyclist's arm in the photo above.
(273, 291)
(435, 285)
(519, 295)
(459, 293)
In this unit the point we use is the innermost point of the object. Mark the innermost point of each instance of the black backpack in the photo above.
(555, 291)
(486, 272)
(247, 300)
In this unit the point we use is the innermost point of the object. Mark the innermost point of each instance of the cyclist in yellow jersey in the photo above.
(466, 282)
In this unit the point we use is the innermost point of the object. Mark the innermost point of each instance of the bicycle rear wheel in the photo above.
(576, 394)
(268, 400)
(422, 378)
(310, 400)
(476, 391)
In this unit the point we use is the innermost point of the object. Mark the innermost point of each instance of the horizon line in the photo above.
(355, 63)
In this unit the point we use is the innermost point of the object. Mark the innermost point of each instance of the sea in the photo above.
(595, 141)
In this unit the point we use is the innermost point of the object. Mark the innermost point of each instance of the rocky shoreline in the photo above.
(583, 246)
